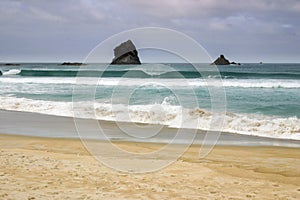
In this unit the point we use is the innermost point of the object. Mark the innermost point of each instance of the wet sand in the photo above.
(49, 168)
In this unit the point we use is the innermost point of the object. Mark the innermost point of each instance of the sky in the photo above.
(67, 30)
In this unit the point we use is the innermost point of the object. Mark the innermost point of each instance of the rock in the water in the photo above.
(234, 63)
(221, 60)
(0, 73)
(126, 53)
(72, 63)
(12, 64)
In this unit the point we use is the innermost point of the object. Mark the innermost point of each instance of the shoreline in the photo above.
(56, 168)
(41, 125)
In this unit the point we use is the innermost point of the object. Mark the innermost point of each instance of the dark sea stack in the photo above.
(12, 64)
(234, 63)
(126, 54)
(221, 60)
(0, 73)
(72, 63)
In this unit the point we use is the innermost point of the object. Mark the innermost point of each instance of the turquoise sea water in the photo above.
(261, 99)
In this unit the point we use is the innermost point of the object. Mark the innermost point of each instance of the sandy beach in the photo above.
(117, 100)
(48, 168)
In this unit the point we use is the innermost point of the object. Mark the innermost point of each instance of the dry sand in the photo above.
(43, 168)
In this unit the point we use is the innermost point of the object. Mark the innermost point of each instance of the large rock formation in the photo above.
(0, 73)
(126, 53)
(221, 60)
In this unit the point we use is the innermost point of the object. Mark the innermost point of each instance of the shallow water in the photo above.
(261, 100)
(32, 124)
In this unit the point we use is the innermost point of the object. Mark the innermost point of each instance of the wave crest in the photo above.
(12, 72)
(243, 83)
(164, 114)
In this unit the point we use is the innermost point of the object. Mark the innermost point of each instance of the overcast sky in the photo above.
(67, 30)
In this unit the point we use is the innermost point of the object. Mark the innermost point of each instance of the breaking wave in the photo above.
(164, 114)
(243, 83)
(12, 72)
(149, 73)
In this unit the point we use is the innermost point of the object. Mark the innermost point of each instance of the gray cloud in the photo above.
(68, 29)
(211, 8)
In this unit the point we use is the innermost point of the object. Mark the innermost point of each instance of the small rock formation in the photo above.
(126, 53)
(0, 73)
(12, 64)
(72, 63)
(221, 60)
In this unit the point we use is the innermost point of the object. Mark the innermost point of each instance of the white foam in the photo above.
(165, 114)
(244, 83)
(12, 72)
(42, 80)
(262, 83)
(153, 70)
(36, 106)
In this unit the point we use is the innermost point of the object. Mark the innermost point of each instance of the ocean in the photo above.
(260, 99)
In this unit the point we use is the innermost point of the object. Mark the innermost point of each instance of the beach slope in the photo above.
(48, 168)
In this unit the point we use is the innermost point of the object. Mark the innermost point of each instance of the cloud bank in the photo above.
(58, 30)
